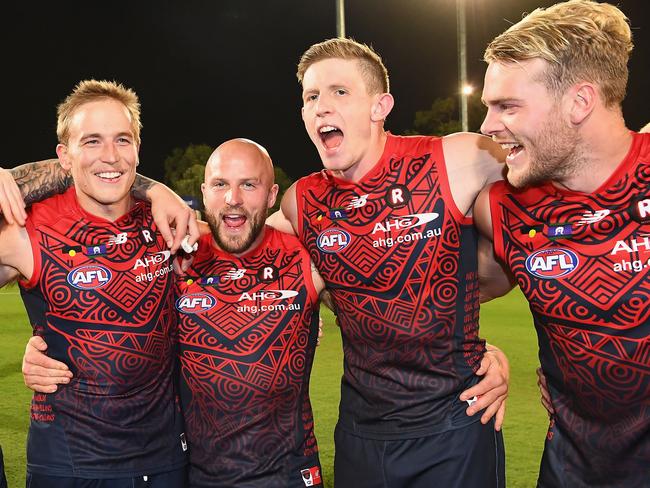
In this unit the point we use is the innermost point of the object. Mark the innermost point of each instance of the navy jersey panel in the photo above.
(400, 263)
(101, 295)
(248, 330)
(582, 261)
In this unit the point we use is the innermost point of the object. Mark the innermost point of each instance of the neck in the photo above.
(369, 159)
(110, 211)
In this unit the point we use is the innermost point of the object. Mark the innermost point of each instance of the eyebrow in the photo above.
(498, 101)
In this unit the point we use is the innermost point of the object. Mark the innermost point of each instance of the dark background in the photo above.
(212, 70)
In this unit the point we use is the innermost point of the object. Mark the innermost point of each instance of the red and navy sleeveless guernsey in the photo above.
(583, 263)
(101, 295)
(248, 330)
(400, 262)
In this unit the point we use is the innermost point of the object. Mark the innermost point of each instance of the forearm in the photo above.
(141, 186)
(41, 180)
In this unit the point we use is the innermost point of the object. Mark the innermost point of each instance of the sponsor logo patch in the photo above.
(405, 222)
(338, 214)
(592, 217)
(398, 196)
(552, 263)
(268, 295)
(559, 231)
(333, 240)
(195, 303)
(641, 210)
(358, 202)
(89, 277)
(152, 259)
(311, 476)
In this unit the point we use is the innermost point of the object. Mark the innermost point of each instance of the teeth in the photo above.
(509, 146)
(111, 175)
(327, 128)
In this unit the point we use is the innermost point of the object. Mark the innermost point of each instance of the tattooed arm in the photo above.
(27, 184)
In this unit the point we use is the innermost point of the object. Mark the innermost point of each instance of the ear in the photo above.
(302, 113)
(273, 195)
(382, 107)
(582, 99)
(62, 153)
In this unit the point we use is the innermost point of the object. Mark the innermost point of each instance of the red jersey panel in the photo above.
(248, 330)
(400, 262)
(102, 298)
(583, 262)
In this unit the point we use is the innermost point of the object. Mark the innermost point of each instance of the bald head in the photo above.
(239, 150)
(237, 193)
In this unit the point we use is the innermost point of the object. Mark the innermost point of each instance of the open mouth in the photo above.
(109, 175)
(234, 221)
(513, 150)
(331, 136)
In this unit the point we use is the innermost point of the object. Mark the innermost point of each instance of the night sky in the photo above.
(207, 71)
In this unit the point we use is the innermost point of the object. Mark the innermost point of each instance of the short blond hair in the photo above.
(372, 67)
(581, 40)
(91, 91)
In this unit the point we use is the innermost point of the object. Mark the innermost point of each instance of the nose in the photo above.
(110, 153)
(323, 106)
(233, 196)
(491, 124)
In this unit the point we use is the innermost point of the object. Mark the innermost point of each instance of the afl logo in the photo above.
(552, 263)
(89, 277)
(333, 240)
(195, 303)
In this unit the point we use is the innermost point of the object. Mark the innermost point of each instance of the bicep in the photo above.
(280, 222)
(15, 253)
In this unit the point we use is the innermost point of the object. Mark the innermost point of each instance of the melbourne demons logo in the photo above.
(333, 240)
(195, 303)
(552, 263)
(89, 277)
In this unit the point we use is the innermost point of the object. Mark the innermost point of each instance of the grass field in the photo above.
(505, 322)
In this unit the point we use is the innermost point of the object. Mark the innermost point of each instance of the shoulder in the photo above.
(467, 148)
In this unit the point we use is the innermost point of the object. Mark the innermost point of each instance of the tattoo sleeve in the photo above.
(40, 180)
(141, 185)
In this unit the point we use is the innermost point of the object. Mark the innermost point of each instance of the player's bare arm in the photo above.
(472, 161)
(286, 220)
(16, 258)
(494, 280)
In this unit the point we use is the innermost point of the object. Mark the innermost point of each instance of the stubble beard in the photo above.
(236, 244)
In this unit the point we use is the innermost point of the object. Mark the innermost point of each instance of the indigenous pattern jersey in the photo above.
(400, 263)
(101, 295)
(583, 263)
(248, 330)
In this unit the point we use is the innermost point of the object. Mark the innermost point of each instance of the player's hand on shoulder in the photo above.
(12, 205)
(491, 392)
(169, 212)
(40, 372)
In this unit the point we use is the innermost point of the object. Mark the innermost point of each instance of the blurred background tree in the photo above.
(442, 117)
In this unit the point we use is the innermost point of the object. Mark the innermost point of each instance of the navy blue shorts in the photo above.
(171, 479)
(469, 457)
(3, 479)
